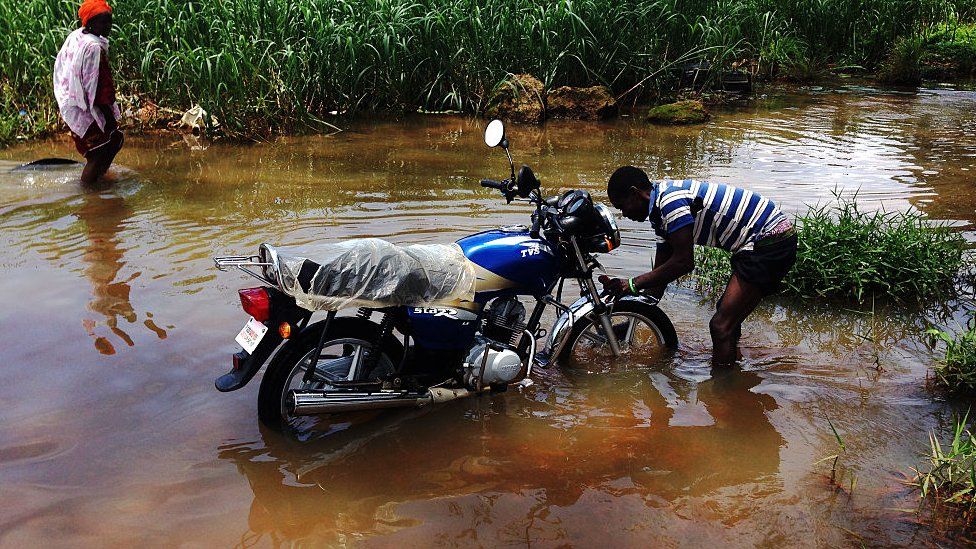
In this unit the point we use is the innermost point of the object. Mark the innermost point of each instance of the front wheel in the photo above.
(643, 331)
(347, 348)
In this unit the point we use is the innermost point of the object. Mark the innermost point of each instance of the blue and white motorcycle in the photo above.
(434, 324)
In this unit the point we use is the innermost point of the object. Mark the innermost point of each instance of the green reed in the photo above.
(949, 479)
(263, 66)
(848, 254)
(956, 372)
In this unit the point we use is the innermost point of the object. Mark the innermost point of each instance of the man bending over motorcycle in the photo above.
(684, 213)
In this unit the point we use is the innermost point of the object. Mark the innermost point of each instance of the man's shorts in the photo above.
(95, 139)
(768, 263)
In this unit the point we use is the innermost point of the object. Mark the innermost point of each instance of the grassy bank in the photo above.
(944, 52)
(272, 65)
(846, 254)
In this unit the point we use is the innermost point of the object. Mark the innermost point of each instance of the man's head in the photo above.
(629, 190)
(96, 17)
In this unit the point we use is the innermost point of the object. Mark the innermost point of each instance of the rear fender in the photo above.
(246, 365)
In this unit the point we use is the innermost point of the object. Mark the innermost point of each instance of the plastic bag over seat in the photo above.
(374, 273)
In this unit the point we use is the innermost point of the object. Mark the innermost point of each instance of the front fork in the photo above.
(587, 286)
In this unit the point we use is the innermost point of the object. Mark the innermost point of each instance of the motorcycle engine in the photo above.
(504, 322)
(501, 364)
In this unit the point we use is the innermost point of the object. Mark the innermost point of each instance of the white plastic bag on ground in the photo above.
(371, 272)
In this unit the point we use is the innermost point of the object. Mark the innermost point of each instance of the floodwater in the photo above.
(115, 323)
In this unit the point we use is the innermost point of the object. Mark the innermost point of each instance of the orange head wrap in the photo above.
(91, 8)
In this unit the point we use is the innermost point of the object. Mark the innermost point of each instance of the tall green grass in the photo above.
(267, 65)
(848, 254)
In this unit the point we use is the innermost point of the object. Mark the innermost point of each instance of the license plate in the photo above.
(251, 334)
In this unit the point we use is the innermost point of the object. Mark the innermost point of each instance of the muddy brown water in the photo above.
(114, 325)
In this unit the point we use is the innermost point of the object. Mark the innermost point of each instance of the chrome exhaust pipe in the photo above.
(310, 403)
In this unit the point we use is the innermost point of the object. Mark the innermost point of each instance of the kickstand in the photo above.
(313, 360)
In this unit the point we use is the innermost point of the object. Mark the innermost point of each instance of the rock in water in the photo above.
(518, 99)
(681, 112)
(594, 103)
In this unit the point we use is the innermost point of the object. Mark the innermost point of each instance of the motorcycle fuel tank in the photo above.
(510, 260)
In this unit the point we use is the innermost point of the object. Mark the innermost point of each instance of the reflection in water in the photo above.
(104, 217)
(611, 434)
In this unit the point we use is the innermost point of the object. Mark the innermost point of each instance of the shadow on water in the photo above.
(594, 433)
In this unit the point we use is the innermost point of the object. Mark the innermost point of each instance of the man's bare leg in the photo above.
(737, 303)
(100, 159)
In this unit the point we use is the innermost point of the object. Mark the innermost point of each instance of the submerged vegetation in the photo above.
(948, 482)
(848, 254)
(275, 65)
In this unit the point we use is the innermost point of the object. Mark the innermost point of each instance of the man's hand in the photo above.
(110, 123)
(616, 287)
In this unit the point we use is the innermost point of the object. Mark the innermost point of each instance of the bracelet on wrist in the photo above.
(630, 282)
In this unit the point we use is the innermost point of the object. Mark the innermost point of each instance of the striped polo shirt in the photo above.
(724, 216)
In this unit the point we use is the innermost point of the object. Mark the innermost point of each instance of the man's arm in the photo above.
(673, 260)
(679, 260)
(664, 251)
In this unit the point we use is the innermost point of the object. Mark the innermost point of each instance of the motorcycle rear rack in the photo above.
(244, 263)
(265, 261)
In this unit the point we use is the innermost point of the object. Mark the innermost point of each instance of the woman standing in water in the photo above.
(85, 90)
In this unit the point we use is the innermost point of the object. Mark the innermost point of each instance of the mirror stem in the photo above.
(510, 161)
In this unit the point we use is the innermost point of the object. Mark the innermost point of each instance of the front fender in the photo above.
(578, 310)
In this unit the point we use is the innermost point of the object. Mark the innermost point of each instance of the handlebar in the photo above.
(492, 184)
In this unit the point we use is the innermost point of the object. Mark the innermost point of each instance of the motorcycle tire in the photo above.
(279, 370)
(649, 314)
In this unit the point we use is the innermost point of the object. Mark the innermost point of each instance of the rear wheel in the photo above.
(643, 331)
(346, 355)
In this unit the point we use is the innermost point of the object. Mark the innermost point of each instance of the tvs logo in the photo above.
(530, 249)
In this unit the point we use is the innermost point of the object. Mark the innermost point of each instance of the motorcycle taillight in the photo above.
(256, 302)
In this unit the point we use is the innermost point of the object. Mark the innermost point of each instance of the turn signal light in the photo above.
(284, 330)
(256, 302)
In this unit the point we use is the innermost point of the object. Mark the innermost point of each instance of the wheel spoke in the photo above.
(356, 359)
(629, 334)
(595, 338)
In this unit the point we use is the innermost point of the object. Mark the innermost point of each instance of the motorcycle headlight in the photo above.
(609, 225)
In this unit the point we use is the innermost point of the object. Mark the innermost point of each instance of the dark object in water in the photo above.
(46, 163)
(737, 81)
(694, 74)
(697, 74)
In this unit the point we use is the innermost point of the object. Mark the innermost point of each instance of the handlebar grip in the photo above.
(492, 184)
(536, 225)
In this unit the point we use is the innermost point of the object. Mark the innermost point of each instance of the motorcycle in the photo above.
(451, 347)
